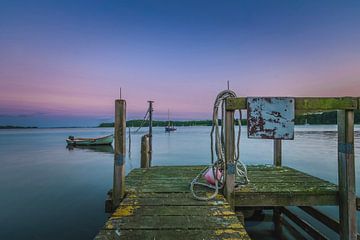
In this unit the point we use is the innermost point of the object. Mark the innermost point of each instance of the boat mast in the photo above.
(168, 117)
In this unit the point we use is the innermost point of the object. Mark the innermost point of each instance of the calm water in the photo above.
(51, 192)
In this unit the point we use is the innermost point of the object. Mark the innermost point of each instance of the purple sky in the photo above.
(62, 62)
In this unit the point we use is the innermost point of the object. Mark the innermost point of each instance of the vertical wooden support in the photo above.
(120, 150)
(230, 167)
(346, 177)
(277, 210)
(150, 130)
(129, 135)
(145, 148)
(277, 152)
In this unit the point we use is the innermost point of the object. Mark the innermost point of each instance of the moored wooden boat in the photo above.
(106, 140)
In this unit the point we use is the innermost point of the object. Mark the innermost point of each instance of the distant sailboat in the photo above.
(169, 127)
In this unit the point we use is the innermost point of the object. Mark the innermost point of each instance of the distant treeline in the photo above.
(323, 118)
(314, 118)
(137, 123)
(13, 127)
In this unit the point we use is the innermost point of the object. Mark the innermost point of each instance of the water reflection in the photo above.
(100, 148)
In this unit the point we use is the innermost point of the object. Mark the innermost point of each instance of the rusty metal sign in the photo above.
(271, 117)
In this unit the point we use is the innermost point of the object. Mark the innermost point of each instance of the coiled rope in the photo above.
(217, 134)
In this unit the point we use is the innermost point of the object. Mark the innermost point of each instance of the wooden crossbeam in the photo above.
(326, 220)
(307, 104)
(303, 224)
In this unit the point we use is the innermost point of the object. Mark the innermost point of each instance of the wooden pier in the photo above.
(156, 202)
(158, 205)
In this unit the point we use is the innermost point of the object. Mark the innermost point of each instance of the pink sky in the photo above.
(62, 62)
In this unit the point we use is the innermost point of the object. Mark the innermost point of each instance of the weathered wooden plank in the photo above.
(326, 104)
(155, 201)
(176, 210)
(174, 222)
(216, 234)
(285, 199)
(305, 103)
(256, 179)
(169, 195)
(286, 187)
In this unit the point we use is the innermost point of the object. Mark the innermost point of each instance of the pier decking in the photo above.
(159, 205)
(283, 186)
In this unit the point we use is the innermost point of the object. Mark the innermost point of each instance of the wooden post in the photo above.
(346, 177)
(277, 152)
(277, 210)
(120, 150)
(129, 134)
(150, 130)
(145, 148)
(230, 167)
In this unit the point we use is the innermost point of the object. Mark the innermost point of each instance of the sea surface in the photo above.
(49, 191)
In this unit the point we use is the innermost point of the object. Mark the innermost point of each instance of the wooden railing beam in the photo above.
(306, 104)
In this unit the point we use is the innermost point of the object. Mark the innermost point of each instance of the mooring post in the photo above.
(150, 130)
(145, 148)
(230, 167)
(346, 174)
(120, 151)
(277, 210)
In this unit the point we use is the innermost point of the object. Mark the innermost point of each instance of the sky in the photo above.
(62, 63)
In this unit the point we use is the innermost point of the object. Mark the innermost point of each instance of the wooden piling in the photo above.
(150, 130)
(230, 167)
(120, 150)
(145, 148)
(346, 177)
(277, 212)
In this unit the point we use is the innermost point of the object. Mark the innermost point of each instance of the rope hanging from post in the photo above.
(146, 118)
(217, 138)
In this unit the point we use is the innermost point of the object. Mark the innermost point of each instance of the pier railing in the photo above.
(348, 203)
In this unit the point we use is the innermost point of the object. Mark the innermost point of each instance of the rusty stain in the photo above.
(270, 118)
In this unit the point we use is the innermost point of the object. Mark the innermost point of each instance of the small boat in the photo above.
(169, 127)
(106, 140)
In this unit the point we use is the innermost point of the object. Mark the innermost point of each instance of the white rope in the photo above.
(219, 145)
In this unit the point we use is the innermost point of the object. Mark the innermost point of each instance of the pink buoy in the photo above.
(209, 175)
